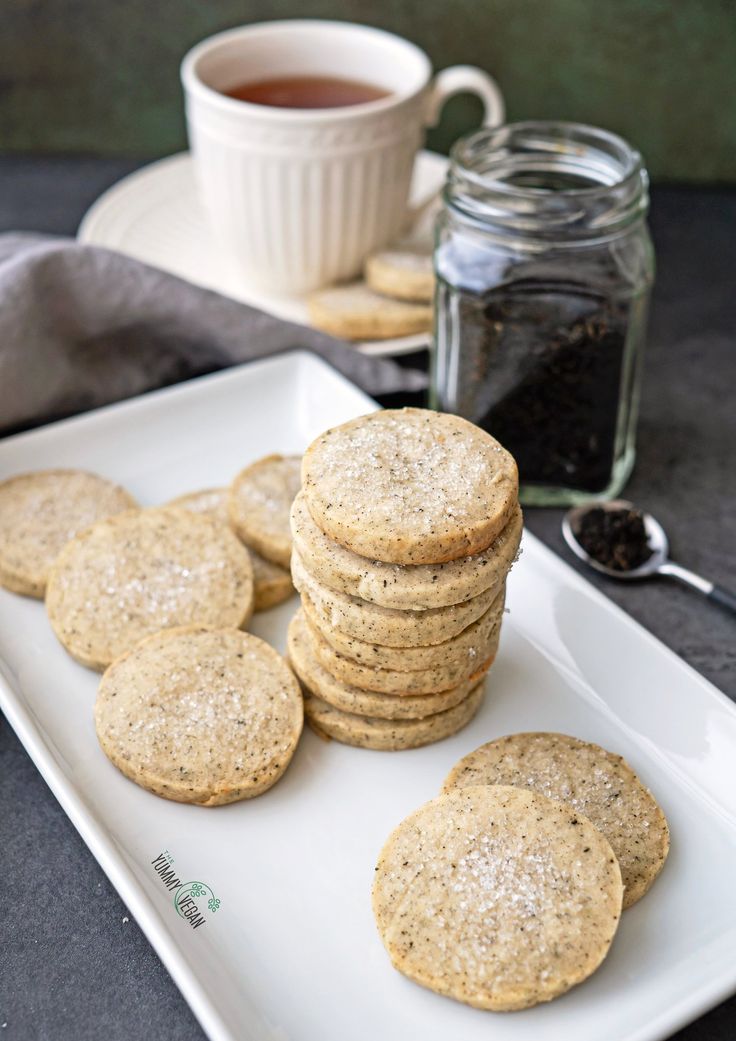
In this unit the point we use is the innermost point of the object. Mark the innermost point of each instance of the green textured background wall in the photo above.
(102, 75)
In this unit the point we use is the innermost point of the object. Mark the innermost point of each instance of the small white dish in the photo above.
(292, 951)
(155, 215)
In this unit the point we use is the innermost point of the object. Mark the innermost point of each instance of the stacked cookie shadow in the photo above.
(404, 531)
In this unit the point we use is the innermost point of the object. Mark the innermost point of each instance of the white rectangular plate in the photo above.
(292, 951)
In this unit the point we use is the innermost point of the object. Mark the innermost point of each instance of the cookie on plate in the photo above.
(40, 512)
(385, 625)
(477, 642)
(259, 504)
(496, 896)
(394, 681)
(592, 781)
(210, 501)
(272, 583)
(405, 274)
(145, 570)
(318, 681)
(415, 587)
(410, 486)
(200, 715)
(355, 312)
(390, 735)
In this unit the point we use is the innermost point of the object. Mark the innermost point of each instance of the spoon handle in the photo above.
(723, 597)
(718, 594)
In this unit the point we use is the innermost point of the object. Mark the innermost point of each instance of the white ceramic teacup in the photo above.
(298, 197)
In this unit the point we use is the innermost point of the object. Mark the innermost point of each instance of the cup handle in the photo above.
(456, 80)
(459, 79)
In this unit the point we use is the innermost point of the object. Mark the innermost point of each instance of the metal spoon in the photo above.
(659, 562)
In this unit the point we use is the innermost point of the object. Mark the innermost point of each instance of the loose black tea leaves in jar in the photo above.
(544, 269)
(561, 349)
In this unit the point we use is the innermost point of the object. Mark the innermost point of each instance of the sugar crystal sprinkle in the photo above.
(401, 477)
(591, 781)
(485, 895)
(200, 715)
(146, 570)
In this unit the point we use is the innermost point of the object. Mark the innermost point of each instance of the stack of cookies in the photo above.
(404, 532)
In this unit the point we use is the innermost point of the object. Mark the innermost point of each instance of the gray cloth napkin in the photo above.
(82, 326)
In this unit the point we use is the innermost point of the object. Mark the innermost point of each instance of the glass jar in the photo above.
(544, 269)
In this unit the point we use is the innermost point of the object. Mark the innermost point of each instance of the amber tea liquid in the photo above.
(306, 92)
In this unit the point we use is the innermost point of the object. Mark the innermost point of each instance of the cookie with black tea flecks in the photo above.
(591, 781)
(496, 896)
(271, 581)
(259, 503)
(403, 587)
(390, 735)
(40, 512)
(476, 642)
(127, 577)
(386, 625)
(200, 715)
(410, 486)
(431, 680)
(317, 681)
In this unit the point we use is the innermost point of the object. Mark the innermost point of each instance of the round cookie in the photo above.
(497, 897)
(200, 715)
(591, 781)
(416, 587)
(393, 681)
(405, 274)
(355, 312)
(390, 735)
(144, 570)
(210, 501)
(385, 625)
(272, 583)
(319, 682)
(410, 486)
(40, 512)
(259, 504)
(478, 641)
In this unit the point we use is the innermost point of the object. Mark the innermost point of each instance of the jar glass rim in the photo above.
(547, 179)
(556, 139)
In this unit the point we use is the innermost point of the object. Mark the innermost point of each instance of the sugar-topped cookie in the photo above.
(394, 681)
(200, 715)
(410, 486)
(355, 312)
(40, 512)
(318, 681)
(410, 587)
(385, 625)
(272, 582)
(589, 780)
(145, 570)
(259, 504)
(403, 273)
(477, 642)
(390, 735)
(497, 897)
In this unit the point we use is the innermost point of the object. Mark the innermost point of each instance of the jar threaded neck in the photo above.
(548, 180)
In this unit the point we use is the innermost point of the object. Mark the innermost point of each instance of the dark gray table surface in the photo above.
(74, 965)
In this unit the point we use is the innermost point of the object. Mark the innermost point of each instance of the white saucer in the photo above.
(155, 215)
